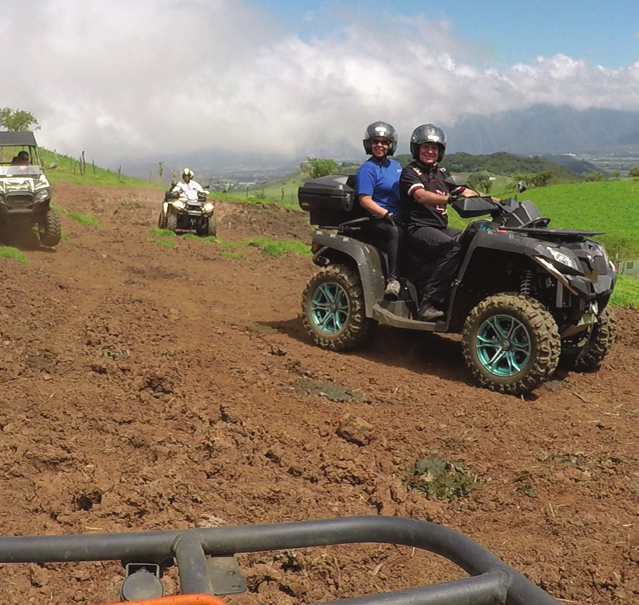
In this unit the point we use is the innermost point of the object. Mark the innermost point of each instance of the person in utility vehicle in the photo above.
(22, 159)
(424, 196)
(187, 187)
(378, 194)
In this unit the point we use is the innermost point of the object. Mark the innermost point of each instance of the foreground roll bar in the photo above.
(491, 581)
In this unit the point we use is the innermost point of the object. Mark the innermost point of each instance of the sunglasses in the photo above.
(380, 142)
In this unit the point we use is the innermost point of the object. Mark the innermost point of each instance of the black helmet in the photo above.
(428, 133)
(380, 129)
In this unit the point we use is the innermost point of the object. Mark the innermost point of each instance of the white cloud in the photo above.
(142, 77)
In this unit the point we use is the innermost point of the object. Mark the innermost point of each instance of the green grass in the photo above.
(232, 255)
(70, 170)
(85, 219)
(626, 292)
(162, 232)
(609, 206)
(279, 248)
(11, 253)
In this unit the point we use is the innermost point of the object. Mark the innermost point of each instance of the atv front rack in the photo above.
(206, 562)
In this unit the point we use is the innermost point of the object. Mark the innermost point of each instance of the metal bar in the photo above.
(486, 589)
(192, 566)
(226, 541)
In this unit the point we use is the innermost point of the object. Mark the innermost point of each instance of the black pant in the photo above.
(392, 237)
(442, 246)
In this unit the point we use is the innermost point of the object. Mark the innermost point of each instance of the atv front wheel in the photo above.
(334, 311)
(211, 226)
(162, 220)
(171, 221)
(510, 343)
(584, 353)
(50, 230)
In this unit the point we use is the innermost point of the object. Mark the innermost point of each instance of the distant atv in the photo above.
(525, 295)
(179, 214)
(25, 193)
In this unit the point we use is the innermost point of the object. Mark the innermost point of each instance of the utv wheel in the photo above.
(171, 221)
(510, 343)
(211, 227)
(51, 230)
(162, 220)
(585, 353)
(333, 309)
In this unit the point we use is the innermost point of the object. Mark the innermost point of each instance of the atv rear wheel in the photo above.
(333, 309)
(50, 230)
(171, 220)
(510, 343)
(585, 353)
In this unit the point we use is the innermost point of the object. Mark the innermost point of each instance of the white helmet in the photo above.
(187, 172)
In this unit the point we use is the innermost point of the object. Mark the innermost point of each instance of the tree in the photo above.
(634, 172)
(16, 119)
(476, 180)
(614, 174)
(541, 179)
(318, 167)
(485, 186)
(594, 177)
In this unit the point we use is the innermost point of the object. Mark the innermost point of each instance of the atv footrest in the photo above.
(386, 316)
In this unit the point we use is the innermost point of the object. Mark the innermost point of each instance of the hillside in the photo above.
(501, 163)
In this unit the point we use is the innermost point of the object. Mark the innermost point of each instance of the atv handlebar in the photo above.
(491, 581)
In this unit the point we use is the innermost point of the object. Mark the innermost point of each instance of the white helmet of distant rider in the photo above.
(380, 130)
(187, 173)
(428, 133)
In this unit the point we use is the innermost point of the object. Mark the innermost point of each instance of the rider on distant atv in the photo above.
(187, 188)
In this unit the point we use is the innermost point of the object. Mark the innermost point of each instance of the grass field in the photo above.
(610, 206)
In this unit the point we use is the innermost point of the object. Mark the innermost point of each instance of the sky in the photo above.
(129, 80)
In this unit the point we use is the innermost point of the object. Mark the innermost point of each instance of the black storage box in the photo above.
(330, 200)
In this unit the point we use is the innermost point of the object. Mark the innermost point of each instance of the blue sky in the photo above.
(134, 79)
(509, 31)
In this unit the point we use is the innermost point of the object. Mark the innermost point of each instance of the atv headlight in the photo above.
(565, 259)
(606, 257)
(43, 194)
(179, 204)
(208, 207)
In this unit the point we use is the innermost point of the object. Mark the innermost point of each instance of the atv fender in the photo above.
(337, 248)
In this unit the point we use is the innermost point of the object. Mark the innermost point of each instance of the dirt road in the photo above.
(148, 387)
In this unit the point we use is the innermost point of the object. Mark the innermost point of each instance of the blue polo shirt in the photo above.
(380, 180)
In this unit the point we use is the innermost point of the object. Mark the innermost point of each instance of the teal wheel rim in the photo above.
(504, 345)
(330, 308)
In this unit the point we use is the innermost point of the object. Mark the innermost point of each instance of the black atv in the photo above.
(526, 296)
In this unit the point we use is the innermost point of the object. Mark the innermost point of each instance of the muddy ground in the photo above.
(145, 387)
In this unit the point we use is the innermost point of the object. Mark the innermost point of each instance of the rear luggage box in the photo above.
(330, 200)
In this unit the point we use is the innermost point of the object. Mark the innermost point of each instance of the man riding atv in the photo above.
(186, 207)
(424, 195)
(523, 295)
